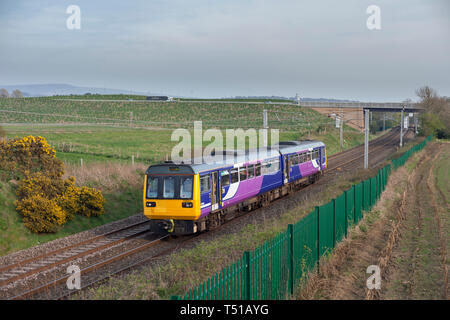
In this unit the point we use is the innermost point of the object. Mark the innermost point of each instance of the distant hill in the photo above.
(61, 89)
(39, 90)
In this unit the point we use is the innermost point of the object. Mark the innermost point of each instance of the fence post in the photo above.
(354, 204)
(318, 237)
(334, 222)
(291, 258)
(345, 211)
(248, 290)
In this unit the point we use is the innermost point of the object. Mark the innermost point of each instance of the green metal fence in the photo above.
(273, 270)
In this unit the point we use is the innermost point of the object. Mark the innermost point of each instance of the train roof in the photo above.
(227, 158)
(287, 147)
(231, 158)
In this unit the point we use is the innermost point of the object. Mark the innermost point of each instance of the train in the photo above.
(183, 199)
(159, 98)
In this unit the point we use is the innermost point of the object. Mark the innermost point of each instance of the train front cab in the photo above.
(172, 198)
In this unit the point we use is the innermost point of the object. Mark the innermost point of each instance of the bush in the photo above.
(70, 201)
(40, 183)
(29, 154)
(41, 214)
(45, 199)
(91, 202)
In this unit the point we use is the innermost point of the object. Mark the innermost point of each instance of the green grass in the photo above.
(442, 174)
(157, 114)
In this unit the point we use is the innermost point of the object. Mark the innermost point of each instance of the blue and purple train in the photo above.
(185, 199)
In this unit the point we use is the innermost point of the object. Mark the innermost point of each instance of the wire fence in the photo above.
(274, 269)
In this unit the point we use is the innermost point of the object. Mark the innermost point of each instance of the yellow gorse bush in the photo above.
(45, 200)
(41, 214)
(30, 154)
(91, 202)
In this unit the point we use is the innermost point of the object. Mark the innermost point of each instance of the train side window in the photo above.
(225, 176)
(205, 184)
(295, 159)
(308, 156)
(258, 169)
(242, 173)
(266, 168)
(275, 166)
(251, 171)
(234, 175)
(302, 157)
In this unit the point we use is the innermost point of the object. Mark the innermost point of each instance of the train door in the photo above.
(215, 187)
(319, 159)
(286, 169)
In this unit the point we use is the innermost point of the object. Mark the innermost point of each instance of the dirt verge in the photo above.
(403, 235)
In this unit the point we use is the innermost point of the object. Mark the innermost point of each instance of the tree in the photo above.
(4, 93)
(436, 116)
(17, 94)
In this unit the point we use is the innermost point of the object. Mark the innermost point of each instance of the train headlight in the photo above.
(150, 204)
(187, 205)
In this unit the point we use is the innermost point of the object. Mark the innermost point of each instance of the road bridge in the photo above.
(352, 113)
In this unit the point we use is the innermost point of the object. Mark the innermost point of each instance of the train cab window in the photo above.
(225, 178)
(258, 169)
(205, 184)
(169, 187)
(234, 175)
(152, 187)
(242, 173)
(186, 184)
(251, 171)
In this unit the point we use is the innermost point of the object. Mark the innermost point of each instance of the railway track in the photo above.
(14, 274)
(349, 157)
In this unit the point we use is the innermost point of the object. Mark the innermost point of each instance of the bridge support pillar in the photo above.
(416, 123)
(366, 139)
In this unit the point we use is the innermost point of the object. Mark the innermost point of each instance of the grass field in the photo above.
(102, 131)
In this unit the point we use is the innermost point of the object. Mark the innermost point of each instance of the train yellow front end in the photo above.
(172, 198)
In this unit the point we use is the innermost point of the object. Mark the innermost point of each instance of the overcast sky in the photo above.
(219, 48)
